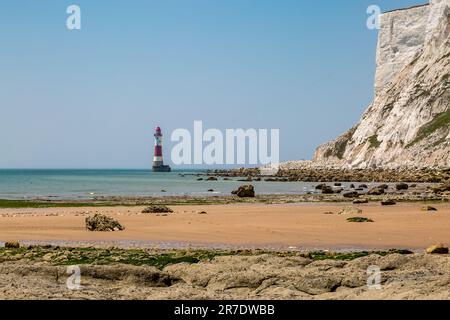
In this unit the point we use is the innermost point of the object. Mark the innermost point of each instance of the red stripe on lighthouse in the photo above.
(158, 151)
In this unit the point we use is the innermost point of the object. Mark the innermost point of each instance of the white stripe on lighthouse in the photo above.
(157, 158)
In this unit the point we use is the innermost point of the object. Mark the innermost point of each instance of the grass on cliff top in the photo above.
(61, 256)
(441, 120)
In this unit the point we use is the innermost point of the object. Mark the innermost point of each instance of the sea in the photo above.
(89, 184)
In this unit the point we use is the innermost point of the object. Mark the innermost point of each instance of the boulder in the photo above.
(401, 186)
(429, 208)
(360, 201)
(383, 186)
(437, 249)
(100, 222)
(211, 179)
(157, 209)
(327, 190)
(246, 191)
(388, 202)
(351, 194)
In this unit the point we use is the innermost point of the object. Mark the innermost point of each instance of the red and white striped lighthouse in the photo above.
(158, 163)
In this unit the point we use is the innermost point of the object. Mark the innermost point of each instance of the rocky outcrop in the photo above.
(408, 123)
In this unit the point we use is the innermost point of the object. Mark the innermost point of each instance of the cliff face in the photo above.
(408, 123)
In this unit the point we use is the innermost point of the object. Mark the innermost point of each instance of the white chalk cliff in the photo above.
(408, 123)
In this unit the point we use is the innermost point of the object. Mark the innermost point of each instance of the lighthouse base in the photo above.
(161, 168)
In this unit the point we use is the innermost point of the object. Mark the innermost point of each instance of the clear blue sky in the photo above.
(91, 98)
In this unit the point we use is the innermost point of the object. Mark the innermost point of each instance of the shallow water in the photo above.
(87, 184)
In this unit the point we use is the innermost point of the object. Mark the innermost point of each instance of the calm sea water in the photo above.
(79, 184)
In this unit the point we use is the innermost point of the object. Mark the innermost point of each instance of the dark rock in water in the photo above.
(203, 212)
(413, 185)
(100, 222)
(163, 190)
(210, 190)
(388, 202)
(402, 186)
(359, 189)
(351, 194)
(363, 186)
(377, 191)
(320, 186)
(383, 186)
(200, 179)
(360, 201)
(226, 179)
(211, 179)
(270, 179)
(437, 249)
(327, 190)
(12, 245)
(352, 186)
(246, 191)
(257, 179)
(157, 209)
(338, 184)
(429, 208)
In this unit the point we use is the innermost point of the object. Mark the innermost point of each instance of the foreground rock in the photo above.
(264, 276)
(100, 222)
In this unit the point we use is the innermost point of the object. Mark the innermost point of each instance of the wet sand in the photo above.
(304, 226)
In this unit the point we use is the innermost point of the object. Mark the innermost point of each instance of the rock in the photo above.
(246, 191)
(210, 190)
(437, 249)
(157, 209)
(442, 188)
(376, 191)
(360, 201)
(388, 202)
(363, 186)
(211, 179)
(350, 210)
(100, 222)
(383, 186)
(200, 179)
(429, 208)
(351, 194)
(319, 186)
(338, 184)
(12, 245)
(203, 212)
(328, 213)
(359, 219)
(402, 186)
(352, 186)
(327, 190)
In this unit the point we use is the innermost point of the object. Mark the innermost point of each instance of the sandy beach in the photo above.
(304, 226)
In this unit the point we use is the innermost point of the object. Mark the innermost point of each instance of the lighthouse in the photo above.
(158, 163)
